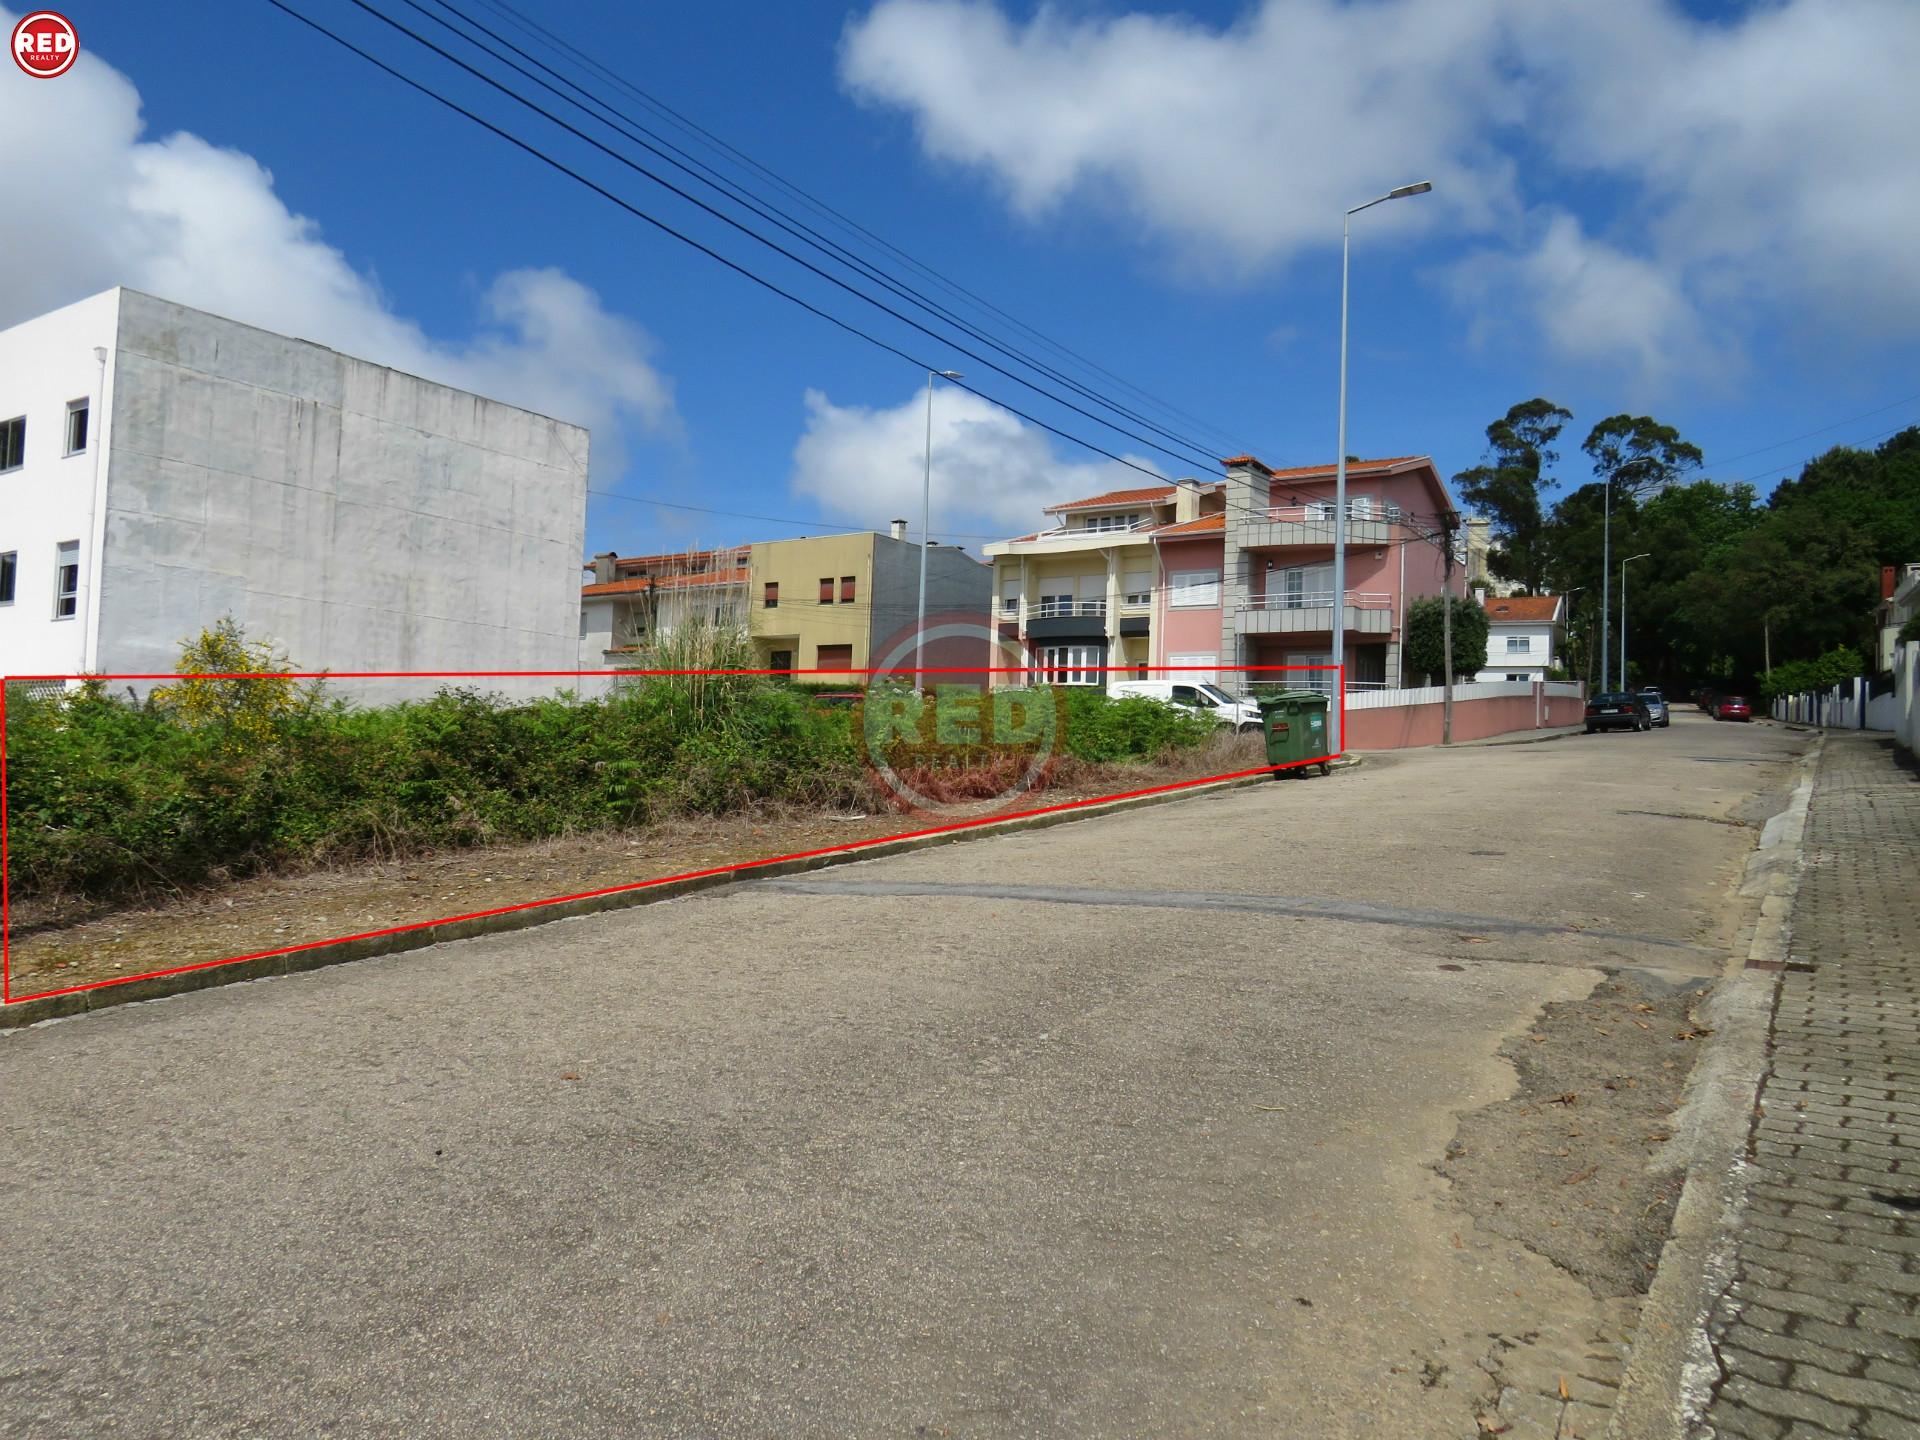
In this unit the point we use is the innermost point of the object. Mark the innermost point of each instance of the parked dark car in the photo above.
(1732, 707)
(1617, 710)
(1656, 704)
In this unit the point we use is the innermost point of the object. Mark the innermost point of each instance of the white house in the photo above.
(161, 467)
(1523, 636)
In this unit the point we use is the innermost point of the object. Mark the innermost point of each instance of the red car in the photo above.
(1732, 707)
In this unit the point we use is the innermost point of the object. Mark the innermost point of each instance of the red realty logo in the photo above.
(45, 44)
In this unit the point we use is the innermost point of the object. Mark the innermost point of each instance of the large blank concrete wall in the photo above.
(361, 518)
(957, 585)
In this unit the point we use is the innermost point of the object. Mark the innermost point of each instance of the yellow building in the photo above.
(833, 602)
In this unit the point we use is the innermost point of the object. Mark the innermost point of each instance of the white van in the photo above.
(1199, 695)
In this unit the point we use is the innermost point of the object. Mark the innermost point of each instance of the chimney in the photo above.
(1186, 500)
(603, 566)
(899, 529)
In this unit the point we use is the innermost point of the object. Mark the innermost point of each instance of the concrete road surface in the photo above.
(1120, 1128)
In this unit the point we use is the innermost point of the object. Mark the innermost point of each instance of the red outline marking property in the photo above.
(6, 903)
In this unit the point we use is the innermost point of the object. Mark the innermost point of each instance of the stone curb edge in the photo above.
(22, 1013)
(1671, 1368)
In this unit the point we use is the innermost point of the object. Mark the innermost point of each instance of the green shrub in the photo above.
(108, 798)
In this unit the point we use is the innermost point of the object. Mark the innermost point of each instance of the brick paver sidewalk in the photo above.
(1820, 1333)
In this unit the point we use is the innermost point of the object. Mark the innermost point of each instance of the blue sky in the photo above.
(1636, 207)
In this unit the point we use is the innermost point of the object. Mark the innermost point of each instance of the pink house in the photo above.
(1212, 575)
(1253, 584)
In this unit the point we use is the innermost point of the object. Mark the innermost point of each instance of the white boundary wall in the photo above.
(1849, 706)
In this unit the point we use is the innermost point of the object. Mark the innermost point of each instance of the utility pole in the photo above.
(1337, 711)
(1606, 579)
(1446, 640)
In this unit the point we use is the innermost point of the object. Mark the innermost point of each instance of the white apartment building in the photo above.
(161, 467)
(1523, 636)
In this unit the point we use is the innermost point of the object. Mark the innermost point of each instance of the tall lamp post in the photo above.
(1623, 612)
(926, 530)
(1338, 732)
(1606, 577)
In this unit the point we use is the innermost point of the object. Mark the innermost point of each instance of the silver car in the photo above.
(1656, 704)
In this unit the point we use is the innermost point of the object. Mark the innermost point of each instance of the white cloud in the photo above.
(1728, 174)
(202, 225)
(1590, 301)
(1242, 144)
(992, 474)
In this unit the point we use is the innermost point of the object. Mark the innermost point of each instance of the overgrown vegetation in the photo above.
(216, 777)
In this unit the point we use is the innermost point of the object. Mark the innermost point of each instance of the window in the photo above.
(1193, 669)
(1111, 522)
(76, 426)
(1511, 676)
(772, 599)
(836, 657)
(1194, 589)
(66, 580)
(13, 442)
(781, 660)
(826, 589)
(9, 573)
(846, 589)
(1070, 664)
(1299, 586)
(1010, 600)
(1138, 589)
(1518, 645)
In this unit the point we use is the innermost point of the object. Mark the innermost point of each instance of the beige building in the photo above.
(1080, 595)
(845, 603)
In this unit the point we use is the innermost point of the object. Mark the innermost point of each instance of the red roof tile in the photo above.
(1116, 497)
(639, 584)
(1522, 609)
(1354, 467)
(1204, 525)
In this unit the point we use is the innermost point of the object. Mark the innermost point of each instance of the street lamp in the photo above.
(1623, 613)
(1340, 468)
(926, 527)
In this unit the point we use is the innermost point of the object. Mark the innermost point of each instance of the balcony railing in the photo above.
(1056, 609)
(1323, 511)
(1318, 600)
(1070, 530)
(1320, 680)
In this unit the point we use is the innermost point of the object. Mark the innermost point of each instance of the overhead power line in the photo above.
(654, 143)
(846, 224)
(535, 152)
(743, 228)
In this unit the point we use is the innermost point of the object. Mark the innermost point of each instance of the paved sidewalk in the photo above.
(1819, 1333)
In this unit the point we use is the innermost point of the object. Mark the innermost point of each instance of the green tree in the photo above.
(1508, 486)
(1638, 455)
(1426, 645)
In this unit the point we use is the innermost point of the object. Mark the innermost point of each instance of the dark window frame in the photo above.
(66, 603)
(770, 598)
(81, 410)
(13, 443)
(848, 585)
(826, 589)
(9, 575)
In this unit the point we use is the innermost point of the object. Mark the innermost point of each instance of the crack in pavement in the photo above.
(1300, 907)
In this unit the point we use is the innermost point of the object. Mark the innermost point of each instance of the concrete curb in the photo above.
(56, 1007)
(1671, 1368)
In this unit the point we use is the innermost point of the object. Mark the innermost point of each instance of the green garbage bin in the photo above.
(1295, 722)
